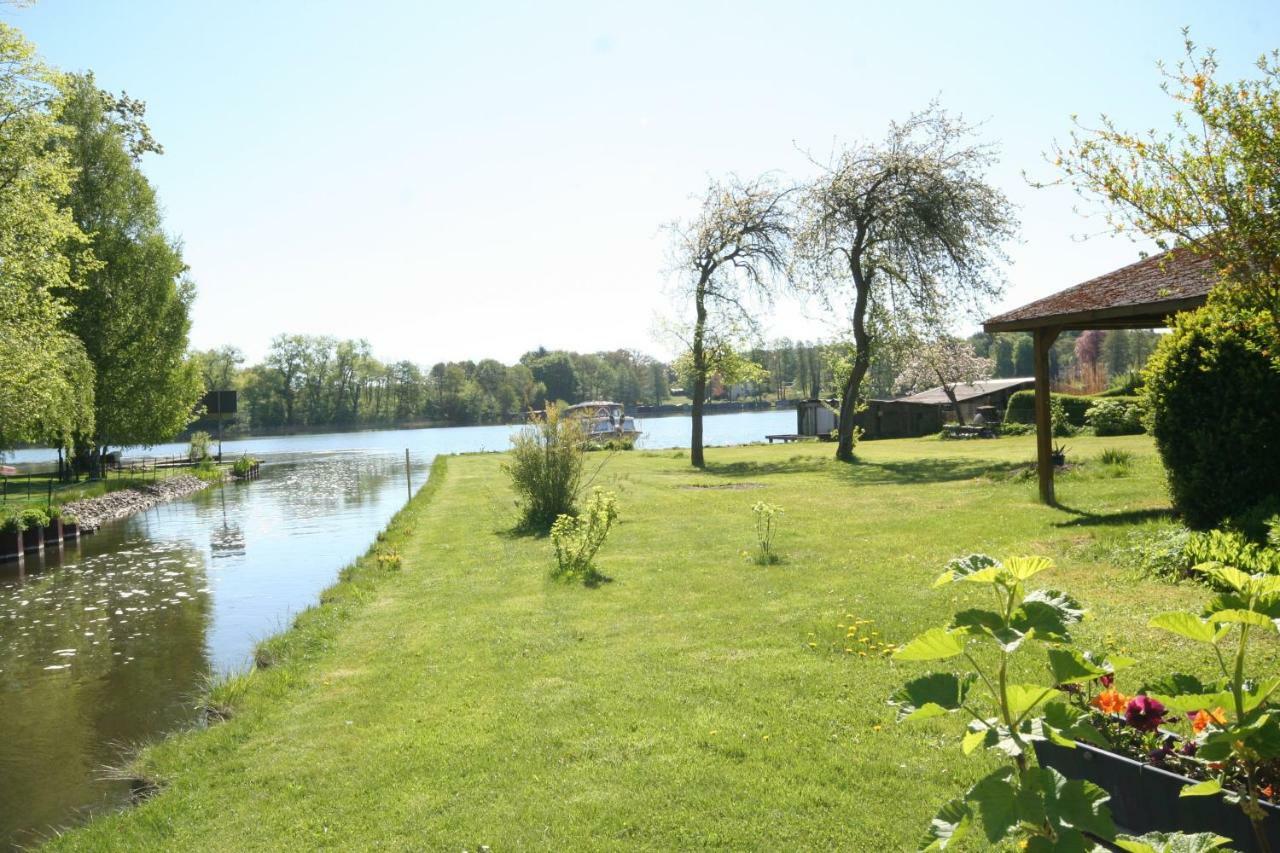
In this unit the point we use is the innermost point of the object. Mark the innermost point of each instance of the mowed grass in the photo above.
(697, 700)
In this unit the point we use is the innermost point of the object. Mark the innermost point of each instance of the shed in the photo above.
(1142, 295)
(971, 395)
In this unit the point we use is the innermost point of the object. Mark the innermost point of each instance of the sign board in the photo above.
(219, 403)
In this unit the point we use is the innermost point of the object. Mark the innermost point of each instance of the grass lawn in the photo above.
(23, 491)
(698, 700)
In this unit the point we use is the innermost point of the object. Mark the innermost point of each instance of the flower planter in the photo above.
(10, 545)
(70, 530)
(53, 532)
(1145, 798)
(32, 539)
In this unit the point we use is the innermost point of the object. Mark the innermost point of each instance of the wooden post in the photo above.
(408, 485)
(1044, 338)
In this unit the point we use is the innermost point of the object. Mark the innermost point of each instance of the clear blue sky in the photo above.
(461, 180)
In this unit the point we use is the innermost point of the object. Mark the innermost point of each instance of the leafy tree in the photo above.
(46, 383)
(1004, 362)
(908, 225)
(218, 367)
(947, 361)
(1210, 184)
(556, 372)
(1024, 356)
(732, 250)
(133, 312)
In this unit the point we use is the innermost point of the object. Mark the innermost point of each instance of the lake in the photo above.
(106, 642)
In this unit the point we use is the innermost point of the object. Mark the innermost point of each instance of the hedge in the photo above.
(1022, 406)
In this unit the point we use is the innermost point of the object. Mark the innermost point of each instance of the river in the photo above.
(105, 642)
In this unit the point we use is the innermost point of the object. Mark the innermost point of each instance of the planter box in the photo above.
(10, 546)
(32, 540)
(53, 533)
(1145, 798)
(71, 530)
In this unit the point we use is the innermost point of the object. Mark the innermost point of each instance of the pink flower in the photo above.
(1144, 713)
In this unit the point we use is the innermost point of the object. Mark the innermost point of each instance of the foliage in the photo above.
(577, 540)
(1015, 428)
(767, 517)
(33, 517)
(1115, 417)
(945, 361)
(243, 466)
(11, 522)
(1246, 735)
(198, 447)
(1211, 391)
(1059, 423)
(908, 229)
(730, 253)
(1116, 456)
(1022, 406)
(133, 312)
(45, 383)
(545, 468)
(1034, 806)
(1209, 185)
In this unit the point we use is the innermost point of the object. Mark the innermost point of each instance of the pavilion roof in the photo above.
(1139, 296)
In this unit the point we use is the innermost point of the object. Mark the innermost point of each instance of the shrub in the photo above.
(243, 466)
(1115, 417)
(1211, 392)
(546, 468)
(1058, 420)
(768, 517)
(198, 450)
(1022, 407)
(33, 517)
(1015, 428)
(11, 523)
(578, 539)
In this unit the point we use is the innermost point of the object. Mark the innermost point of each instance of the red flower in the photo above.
(1144, 713)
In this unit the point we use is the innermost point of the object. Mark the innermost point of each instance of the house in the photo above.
(971, 396)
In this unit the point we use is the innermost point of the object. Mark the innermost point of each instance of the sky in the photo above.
(469, 180)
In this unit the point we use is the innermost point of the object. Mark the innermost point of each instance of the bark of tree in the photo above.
(862, 354)
(699, 374)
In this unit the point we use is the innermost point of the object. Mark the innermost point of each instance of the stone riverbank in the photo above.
(93, 512)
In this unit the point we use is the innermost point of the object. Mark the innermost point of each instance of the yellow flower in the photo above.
(813, 645)
(876, 727)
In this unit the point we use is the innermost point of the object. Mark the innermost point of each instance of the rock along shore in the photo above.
(93, 512)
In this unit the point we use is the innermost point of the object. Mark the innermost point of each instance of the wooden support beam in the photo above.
(1044, 338)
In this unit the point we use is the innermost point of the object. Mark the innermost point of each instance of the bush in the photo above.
(1014, 428)
(11, 523)
(546, 468)
(1061, 425)
(1211, 392)
(1022, 407)
(198, 451)
(1115, 417)
(243, 466)
(577, 540)
(32, 518)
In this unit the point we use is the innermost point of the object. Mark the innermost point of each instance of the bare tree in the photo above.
(947, 361)
(908, 226)
(728, 257)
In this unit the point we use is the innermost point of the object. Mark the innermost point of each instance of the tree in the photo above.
(1209, 185)
(908, 225)
(1024, 356)
(948, 362)
(46, 383)
(133, 312)
(731, 251)
(218, 367)
(284, 365)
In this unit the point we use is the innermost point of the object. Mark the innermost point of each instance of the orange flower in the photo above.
(1204, 718)
(1111, 701)
(1267, 792)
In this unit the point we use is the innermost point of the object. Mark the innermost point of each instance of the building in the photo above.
(971, 396)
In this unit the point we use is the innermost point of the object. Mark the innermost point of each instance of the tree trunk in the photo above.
(699, 378)
(950, 391)
(861, 362)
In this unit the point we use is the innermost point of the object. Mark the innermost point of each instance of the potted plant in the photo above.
(33, 524)
(1059, 455)
(10, 536)
(52, 531)
(1166, 753)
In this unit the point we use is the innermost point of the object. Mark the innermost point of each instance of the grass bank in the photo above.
(447, 694)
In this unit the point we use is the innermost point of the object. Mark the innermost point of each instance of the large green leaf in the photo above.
(1024, 697)
(976, 620)
(1071, 667)
(966, 568)
(1242, 617)
(1076, 804)
(1172, 842)
(1072, 724)
(948, 826)
(1185, 625)
(1207, 788)
(1179, 683)
(1070, 610)
(1227, 576)
(1189, 703)
(934, 644)
(1025, 568)
(931, 696)
(994, 798)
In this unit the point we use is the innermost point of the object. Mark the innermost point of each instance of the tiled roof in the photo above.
(1148, 290)
(967, 391)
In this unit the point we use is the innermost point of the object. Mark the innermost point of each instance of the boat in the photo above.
(605, 422)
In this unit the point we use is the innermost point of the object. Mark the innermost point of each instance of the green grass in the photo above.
(458, 697)
(15, 494)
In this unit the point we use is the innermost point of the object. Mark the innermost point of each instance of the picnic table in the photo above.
(968, 431)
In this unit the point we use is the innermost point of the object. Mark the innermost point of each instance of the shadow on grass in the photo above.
(1107, 519)
(794, 465)
(911, 471)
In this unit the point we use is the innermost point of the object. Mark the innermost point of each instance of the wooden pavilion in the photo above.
(1143, 295)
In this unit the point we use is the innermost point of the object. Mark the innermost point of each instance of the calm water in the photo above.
(104, 643)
